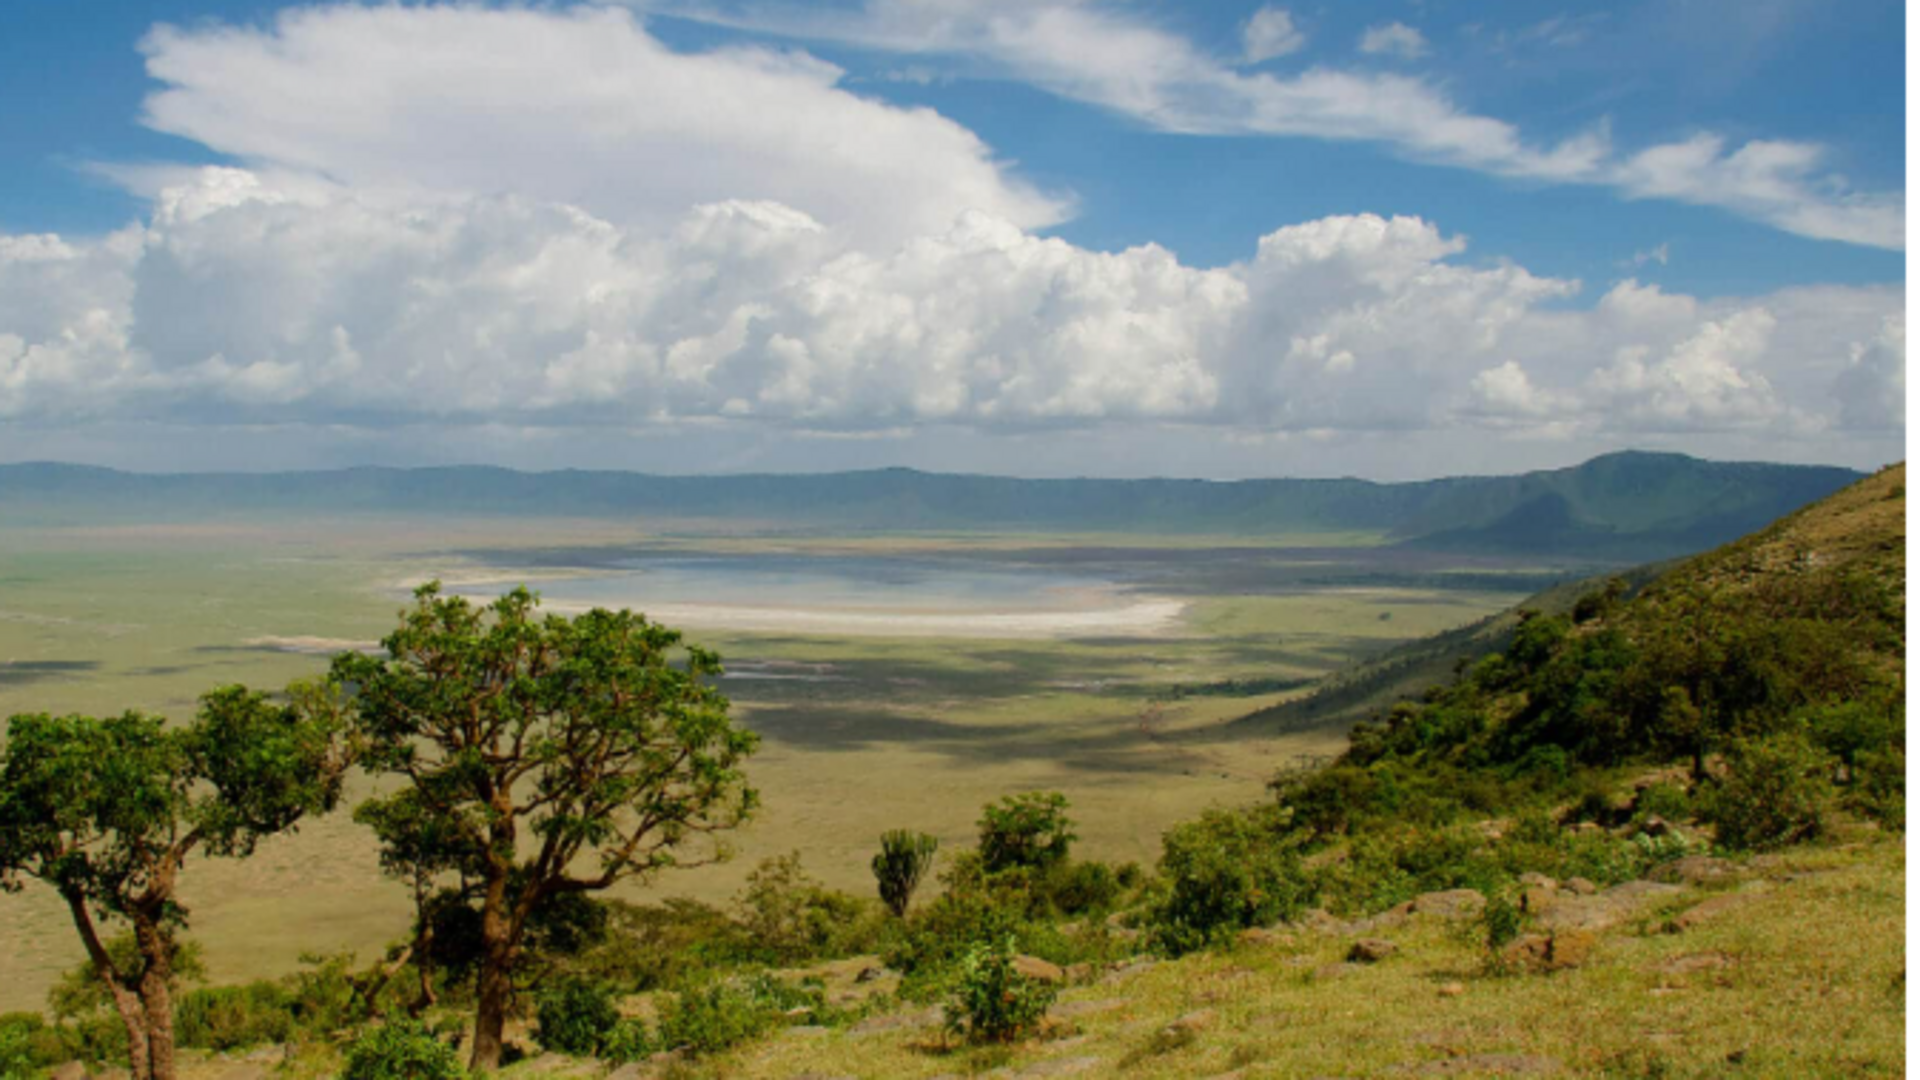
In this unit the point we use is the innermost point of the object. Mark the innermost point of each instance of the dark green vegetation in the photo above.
(1629, 506)
(1795, 635)
(576, 736)
(905, 857)
(106, 812)
(1750, 699)
(1410, 670)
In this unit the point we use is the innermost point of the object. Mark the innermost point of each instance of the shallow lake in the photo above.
(848, 583)
(853, 594)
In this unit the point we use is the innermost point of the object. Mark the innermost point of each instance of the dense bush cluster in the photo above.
(1223, 873)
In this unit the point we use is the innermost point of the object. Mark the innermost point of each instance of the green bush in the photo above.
(100, 1036)
(401, 1051)
(628, 1040)
(80, 993)
(1878, 787)
(990, 1001)
(721, 1015)
(650, 947)
(1499, 921)
(1077, 888)
(1222, 873)
(575, 1016)
(787, 915)
(940, 933)
(1030, 830)
(28, 1044)
(1668, 802)
(228, 1017)
(1776, 792)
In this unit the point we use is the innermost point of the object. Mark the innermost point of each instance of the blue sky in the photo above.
(1394, 238)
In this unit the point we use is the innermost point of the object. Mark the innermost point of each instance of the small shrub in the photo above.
(649, 947)
(788, 915)
(1029, 830)
(575, 1016)
(27, 1045)
(1076, 888)
(80, 991)
(724, 1015)
(903, 860)
(1878, 787)
(402, 1051)
(1654, 850)
(1666, 801)
(99, 1036)
(1224, 872)
(628, 1040)
(1594, 804)
(229, 1017)
(1499, 921)
(990, 1001)
(1776, 792)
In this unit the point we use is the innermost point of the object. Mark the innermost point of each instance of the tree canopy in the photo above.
(106, 812)
(547, 755)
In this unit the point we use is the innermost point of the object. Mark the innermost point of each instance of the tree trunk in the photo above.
(156, 991)
(422, 949)
(125, 1001)
(496, 978)
(490, 1022)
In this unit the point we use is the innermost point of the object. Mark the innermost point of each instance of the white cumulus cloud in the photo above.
(243, 303)
(1395, 39)
(580, 106)
(1872, 388)
(1270, 33)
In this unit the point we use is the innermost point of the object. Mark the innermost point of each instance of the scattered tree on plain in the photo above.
(555, 756)
(106, 811)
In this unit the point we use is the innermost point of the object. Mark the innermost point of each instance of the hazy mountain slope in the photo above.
(1655, 504)
(1857, 534)
(1619, 507)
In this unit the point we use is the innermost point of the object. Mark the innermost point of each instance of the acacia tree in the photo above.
(562, 755)
(106, 812)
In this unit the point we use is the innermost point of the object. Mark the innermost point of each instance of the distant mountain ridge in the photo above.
(1624, 505)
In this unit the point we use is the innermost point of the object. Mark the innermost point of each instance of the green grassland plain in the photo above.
(897, 732)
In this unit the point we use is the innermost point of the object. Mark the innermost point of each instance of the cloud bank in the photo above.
(245, 302)
(604, 236)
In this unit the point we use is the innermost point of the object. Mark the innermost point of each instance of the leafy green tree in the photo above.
(106, 811)
(1026, 830)
(562, 755)
(903, 860)
(420, 847)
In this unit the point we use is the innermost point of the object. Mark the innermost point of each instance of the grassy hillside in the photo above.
(1409, 670)
(1855, 540)
(1621, 507)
